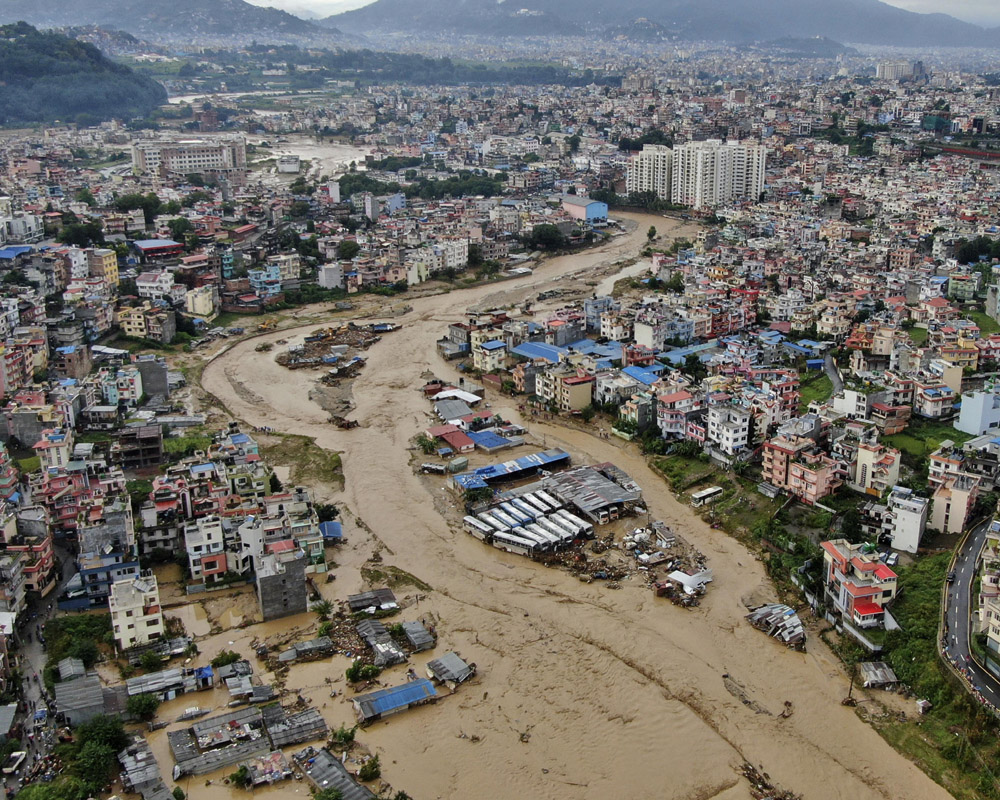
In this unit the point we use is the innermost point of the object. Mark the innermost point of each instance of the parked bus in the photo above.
(507, 520)
(511, 511)
(536, 502)
(547, 498)
(531, 533)
(514, 544)
(524, 507)
(478, 528)
(583, 528)
(552, 539)
(706, 496)
(494, 523)
(565, 533)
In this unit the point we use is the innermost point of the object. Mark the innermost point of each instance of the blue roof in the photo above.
(396, 697)
(198, 469)
(203, 672)
(13, 251)
(513, 468)
(70, 348)
(239, 438)
(331, 530)
(539, 350)
(643, 375)
(493, 344)
(487, 439)
(590, 347)
(148, 244)
(469, 481)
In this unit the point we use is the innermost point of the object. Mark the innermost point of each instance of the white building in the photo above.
(224, 155)
(136, 616)
(728, 428)
(331, 276)
(153, 285)
(980, 413)
(905, 519)
(712, 173)
(650, 171)
(204, 540)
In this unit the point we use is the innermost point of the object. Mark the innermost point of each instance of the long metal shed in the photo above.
(385, 702)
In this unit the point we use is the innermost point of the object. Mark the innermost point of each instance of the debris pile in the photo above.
(781, 622)
(330, 346)
(761, 787)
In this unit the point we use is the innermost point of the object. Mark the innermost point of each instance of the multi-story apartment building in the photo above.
(905, 519)
(728, 428)
(651, 170)
(136, 616)
(710, 173)
(857, 583)
(222, 156)
(204, 540)
(796, 465)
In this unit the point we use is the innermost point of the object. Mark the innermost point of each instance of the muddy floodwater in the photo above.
(582, 691)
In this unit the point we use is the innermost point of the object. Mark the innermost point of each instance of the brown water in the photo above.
(582, 691)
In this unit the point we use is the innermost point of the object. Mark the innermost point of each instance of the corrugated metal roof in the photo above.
(395, 697)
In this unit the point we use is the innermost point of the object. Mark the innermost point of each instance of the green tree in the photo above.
(651, 233)
(143, 706)
(370, 770)
(348, 249)
(84, 195)
(178, 793)
(241, 777)
(546, 237)
(94, 764)
(275, 484)
(426, 444)
(225, 658)
(329, 793)
(573, 142)
(179, 226)
(150, 661)
(81, 234)
(323, 609)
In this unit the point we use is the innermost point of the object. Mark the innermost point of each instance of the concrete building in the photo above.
(136, 616)
(876, 469)
(905, 519)
(980, 413)
(103, 264)
(798, 466)
(711, 173)
(857, 583)
(728, 428)
(953, 502)
(281, 584)
(204, 541)
(651, 171)
(222, 156)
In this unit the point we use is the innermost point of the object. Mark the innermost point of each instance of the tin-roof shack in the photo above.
(386, 702)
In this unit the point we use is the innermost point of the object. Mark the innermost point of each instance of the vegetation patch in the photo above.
(393, 577)
(308, 462)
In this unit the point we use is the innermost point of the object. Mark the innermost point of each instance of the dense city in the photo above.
(635, 408)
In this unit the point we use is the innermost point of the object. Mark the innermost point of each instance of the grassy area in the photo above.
(29, 464)
(682, 472)
(987, 325)
(308, 462)
(816, 387)
(392, 577)
(228, 320)
(924, 436)
(918, 335)
(182, 446)
(956, 743)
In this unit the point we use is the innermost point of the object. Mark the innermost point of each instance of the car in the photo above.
(951, 576)
(14, 760)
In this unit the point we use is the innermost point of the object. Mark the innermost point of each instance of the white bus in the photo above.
(478, 528)
(536, 502)
(533, 534)
(706, 496)
(494, 523)
(552, 539)
(524, 507)
(547, 498)
(558, 527)
(583, 528)
(514, 544)
(507, 520)
(512, 511)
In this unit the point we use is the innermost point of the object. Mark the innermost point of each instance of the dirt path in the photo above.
(584, 691)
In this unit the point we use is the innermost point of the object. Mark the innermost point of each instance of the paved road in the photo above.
(833, 374)
(958, 616)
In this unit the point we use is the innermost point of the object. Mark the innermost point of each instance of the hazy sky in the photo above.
(982, 12)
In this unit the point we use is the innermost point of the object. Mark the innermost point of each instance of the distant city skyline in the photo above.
(979, 12)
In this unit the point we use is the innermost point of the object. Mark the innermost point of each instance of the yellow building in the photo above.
(103, 263)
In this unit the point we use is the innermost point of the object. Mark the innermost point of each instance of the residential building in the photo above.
(136, 616)
(796, 465)
(651, 171)
(953, 502)
(728, 429)
(204, 540)
(706, 174)
(905, 519)
(857, 583)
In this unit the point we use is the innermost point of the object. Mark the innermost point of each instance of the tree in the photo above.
(573, 142)
(370, 770)
(275, 484)
(546, 237)
(651, 233)
(179, 226)
(82, 234)
(475, 254)
(150, 661)
(329, 793)
(178, 793)
(850, 526)
(225, 658)
(94, 764)
(426, 444)
(323, 609)
(84, 195)
(143, 705)
(347, 250)
(241, 777)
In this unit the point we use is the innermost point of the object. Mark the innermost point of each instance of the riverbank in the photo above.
(581, 691)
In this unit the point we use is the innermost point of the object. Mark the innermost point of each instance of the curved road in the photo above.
(958, 617)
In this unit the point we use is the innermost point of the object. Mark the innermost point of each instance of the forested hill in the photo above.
(48, 76)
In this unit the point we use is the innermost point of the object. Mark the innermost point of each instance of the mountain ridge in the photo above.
(736, 21)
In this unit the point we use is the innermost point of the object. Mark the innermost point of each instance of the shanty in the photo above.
(450, 668)
(781, 622)
(876, 674)
(385, 702)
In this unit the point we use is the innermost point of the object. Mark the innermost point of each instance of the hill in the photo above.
(738, 21)
(48, 76)
(203, 21)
